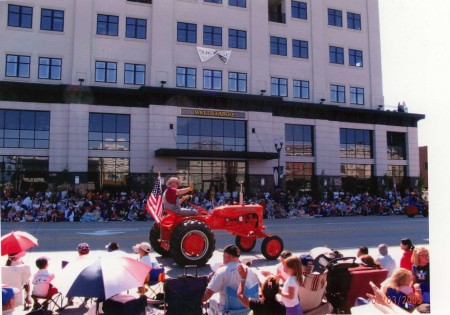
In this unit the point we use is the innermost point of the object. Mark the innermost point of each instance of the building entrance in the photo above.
(212, 175)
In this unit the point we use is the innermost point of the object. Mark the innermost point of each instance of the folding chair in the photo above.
(232, 304)
(17, 277)
(54, 302)
(155, 282)
(312, 292)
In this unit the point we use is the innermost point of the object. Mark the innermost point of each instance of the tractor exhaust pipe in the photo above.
(241, 194)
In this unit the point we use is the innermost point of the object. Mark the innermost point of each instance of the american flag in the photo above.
(154, 201)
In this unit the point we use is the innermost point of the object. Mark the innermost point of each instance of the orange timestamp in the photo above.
(399, 300)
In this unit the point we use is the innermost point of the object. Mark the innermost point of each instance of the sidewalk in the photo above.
(77, 309)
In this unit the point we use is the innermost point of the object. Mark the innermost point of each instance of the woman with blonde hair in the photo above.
(399, 291)
(291, 288)
(421, 271)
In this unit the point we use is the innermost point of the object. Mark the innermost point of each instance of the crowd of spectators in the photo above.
(49, 206)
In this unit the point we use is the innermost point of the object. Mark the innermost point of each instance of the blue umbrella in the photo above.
(102, 277)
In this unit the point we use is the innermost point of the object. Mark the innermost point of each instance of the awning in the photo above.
(182, 153)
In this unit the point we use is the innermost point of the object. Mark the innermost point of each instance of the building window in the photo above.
(105, 71)
(109, 132)
(52, 20)
(107, 25)
(356, 95)
(237, 82)
(299, 10)
(337, 55)
(18, 66)
(50, 68)
(20, 16)
(141, 1)
(335, 17)
(356, 143)
(355, 57)
(396, 145)
(397, 172)
(24, 172)
(211, 134)
(361, 171)
(186, 32)
(299, 176)
(186, 77)
(337, 93)
(237, 39)
(354, 21)
(213, 1)
(24, 129)
(212, 79)
(237, 3)
(300, 48)
(134, 74)
(108, 172)
(136, 28)
(299, 140)
(301, 89)
(278, 87)
(212, 35)
(278, 46)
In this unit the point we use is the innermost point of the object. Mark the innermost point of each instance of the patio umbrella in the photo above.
(101, 277)
(16, 242)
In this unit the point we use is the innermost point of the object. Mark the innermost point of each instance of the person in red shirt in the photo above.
(408, 249)
(171, 199)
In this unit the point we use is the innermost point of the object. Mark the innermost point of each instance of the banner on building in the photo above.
(207, 53)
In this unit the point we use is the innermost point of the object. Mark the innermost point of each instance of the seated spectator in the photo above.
(421, 272)
(368, 261)
(42, 287)
(268, 304)
(307, 264)
(143, 249)
(399, 291)
(386, 261)
(362, 250)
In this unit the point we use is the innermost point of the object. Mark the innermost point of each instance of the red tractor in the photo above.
(190, 240)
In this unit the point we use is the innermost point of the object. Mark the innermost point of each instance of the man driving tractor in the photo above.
(171, 199)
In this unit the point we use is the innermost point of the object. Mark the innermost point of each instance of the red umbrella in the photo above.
(16, 242)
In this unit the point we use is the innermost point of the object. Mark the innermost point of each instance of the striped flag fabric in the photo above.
(154, 201)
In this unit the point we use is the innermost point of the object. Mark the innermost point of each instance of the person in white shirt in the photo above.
(41, 283)
(143, 249)
(386, 261)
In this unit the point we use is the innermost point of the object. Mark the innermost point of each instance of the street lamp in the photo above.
(278, 144)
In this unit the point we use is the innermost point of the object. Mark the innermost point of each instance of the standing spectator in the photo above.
(291, 288)
(386, 261)
(408, 248)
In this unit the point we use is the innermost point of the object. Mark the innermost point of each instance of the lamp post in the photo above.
(278, 144)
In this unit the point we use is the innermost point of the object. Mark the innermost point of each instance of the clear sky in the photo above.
(415, 47)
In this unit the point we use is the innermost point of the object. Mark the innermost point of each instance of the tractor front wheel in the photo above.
(271, 247)
(154, 237)
(192, 243)
(245, 244)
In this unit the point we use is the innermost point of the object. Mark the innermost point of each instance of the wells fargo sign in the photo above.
(212, 113)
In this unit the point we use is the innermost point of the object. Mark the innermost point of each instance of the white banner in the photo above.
(207, 53)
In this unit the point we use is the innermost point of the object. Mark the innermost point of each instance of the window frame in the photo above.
(212, 35)
(298, 90)
(277, 84)
(185, 31)
(237, 3)
(357, 95)
(300, 49)
(278, 46)
(301, 10)
(337, 93)
(238, 80)
(21, 21)
(210, 80)
(98, 131)
(348, 143)
(135, 73)
(108, 25)
(106, 71)
(235, 40)
(353, 21)
(52, 20)
(299, 140)
(336, 55)
(335, 17)
(50, 67)
(186, 77)
(355, 58)
(133, 30)
(18, 66)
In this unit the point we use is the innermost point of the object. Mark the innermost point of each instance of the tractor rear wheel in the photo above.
(192, 243)
(154, 240)
(271, 247)
(245, 244)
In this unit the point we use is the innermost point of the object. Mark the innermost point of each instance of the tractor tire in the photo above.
(245, 244)
(154, 240)
(271, 247)
(192, 243)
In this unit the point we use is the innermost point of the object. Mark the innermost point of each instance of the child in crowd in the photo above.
(399, 291)
(290, 291)
(42, 287)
